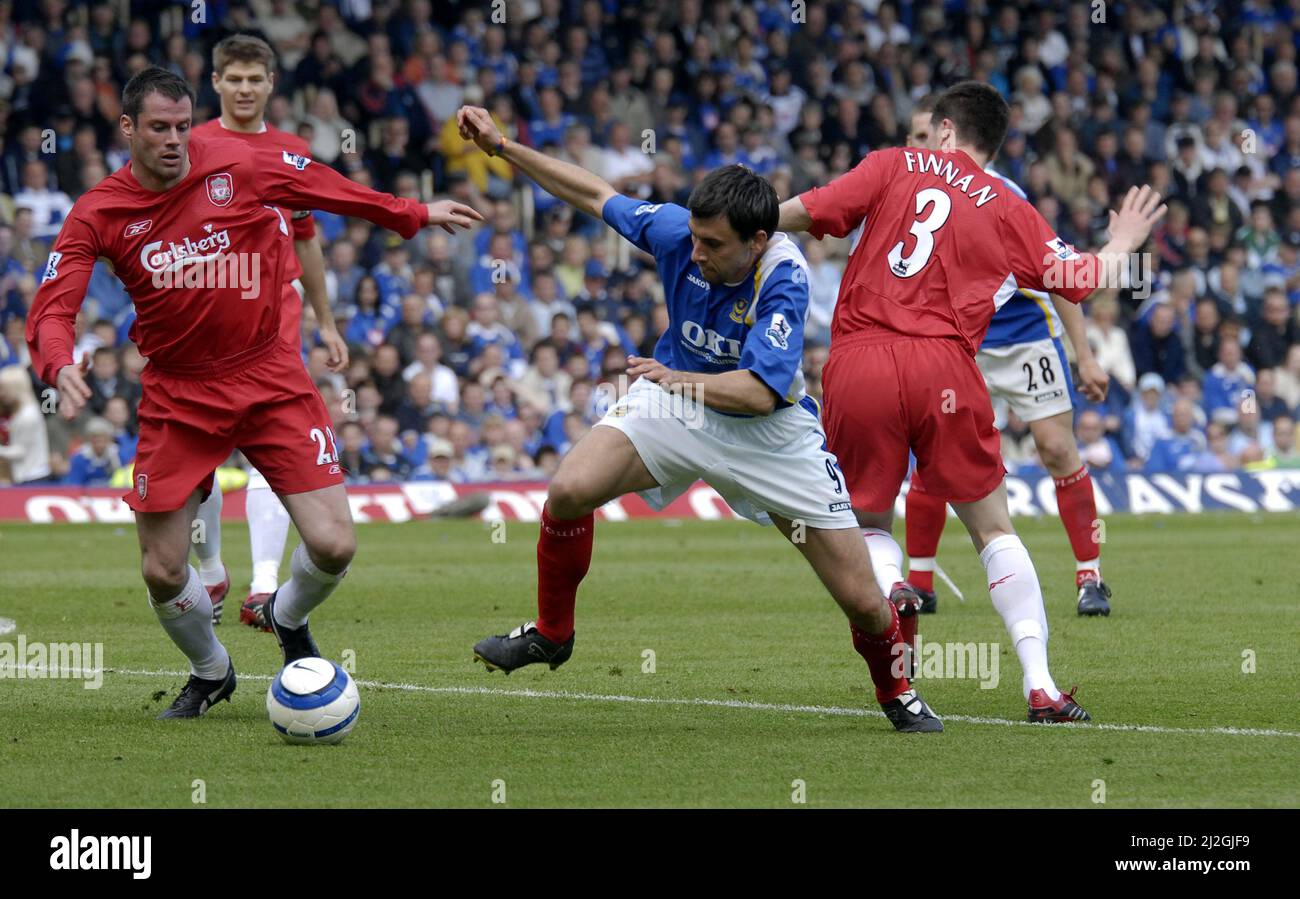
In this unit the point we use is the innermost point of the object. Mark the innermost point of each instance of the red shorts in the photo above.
(886, 395)
(264, 404)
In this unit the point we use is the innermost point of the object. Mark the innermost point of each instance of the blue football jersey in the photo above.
(1029, 315)
(757, 324)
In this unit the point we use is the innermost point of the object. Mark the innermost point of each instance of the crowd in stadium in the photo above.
(483, 356)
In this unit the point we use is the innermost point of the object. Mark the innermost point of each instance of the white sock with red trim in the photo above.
(1018, 598)
(207, 539)
(268, 531)
(886, 558)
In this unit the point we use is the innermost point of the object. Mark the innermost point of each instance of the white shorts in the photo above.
(1032, 378)
(774, 463)
(256, 480)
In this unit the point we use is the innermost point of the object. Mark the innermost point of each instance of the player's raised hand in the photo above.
(1139, 212)
(449, 213)
(73, 389)
(476, 125)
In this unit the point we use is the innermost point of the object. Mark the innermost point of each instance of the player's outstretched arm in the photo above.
(576, 186)
(794, 216)
(297, 182)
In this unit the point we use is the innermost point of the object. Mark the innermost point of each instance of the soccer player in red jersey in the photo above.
(244, 78)
(943, 246)
(195, 233)
(1016, 359)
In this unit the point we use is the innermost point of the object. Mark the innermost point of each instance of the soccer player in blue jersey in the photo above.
(721, 400)
(1024, 364)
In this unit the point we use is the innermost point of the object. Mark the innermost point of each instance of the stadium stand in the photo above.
(482, 356)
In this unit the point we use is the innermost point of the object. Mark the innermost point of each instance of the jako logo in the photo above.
(78, 853)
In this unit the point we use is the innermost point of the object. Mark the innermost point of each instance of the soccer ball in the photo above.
(313, 701)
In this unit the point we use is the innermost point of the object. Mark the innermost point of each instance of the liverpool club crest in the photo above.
(221, 189)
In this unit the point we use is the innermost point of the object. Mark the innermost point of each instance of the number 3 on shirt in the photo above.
(923, 230)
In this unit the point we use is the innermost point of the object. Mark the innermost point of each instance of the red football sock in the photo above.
(563, 557)
(883, 653)
(926, 517)
(1078, 509)
(921, 580)
(907, 630)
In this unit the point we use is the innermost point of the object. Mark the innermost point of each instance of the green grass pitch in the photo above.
(756, 697)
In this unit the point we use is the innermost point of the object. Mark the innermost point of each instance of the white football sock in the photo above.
(920, 563)
(886, 558)
(1089, 565)
(208, 549)
(187, 619)
(306, 588)
(268, 529)
(1018, 598)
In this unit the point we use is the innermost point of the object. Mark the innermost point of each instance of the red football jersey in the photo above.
(222, 214)
(270, 138)
(943, 246)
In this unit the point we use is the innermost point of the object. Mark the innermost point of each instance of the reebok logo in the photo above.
(1001, 580)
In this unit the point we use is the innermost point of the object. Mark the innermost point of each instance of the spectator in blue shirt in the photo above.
(1180, 451)
(118, 413)
(369, 321)
(1145, 422)
(550, 128)
(1156, 346)
(1098, 450)
(94, 463)
(1225, 382)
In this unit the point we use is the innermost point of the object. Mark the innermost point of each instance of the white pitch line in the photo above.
(725, 704)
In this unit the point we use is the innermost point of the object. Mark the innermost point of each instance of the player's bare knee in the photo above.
(871, 604)
(568, 497)
(1057, 453)
(334, 551)
(164, 577)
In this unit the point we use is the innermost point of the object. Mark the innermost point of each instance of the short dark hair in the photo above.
(153, 80)
(925, 104)
(747, 199)
(977, 112)
(245, 48)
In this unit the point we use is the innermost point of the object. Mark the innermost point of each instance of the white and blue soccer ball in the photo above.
(313, 701)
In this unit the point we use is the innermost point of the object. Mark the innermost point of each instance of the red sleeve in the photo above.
(1042, 261)
(840, 206)
(51, 322)
(304, 226)
(296, 182)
